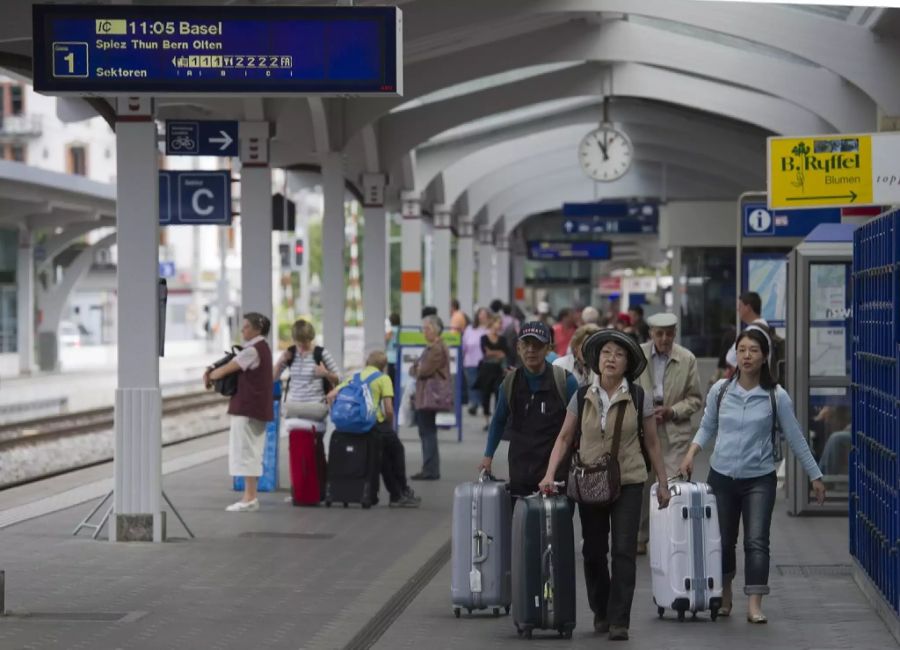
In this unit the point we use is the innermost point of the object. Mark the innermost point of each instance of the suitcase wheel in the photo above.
(528, 634)
(714, 613)
(328, 504)
(496, 612)
(365, 506)
(693, 614)
(661, 611)
(345, 504)
(456, 612)
(469, 611)
(519, 631)
(506, 609)
(566, 634)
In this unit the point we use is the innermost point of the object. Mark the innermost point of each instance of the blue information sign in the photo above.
(201, 138)
(603, 218)
(167, 269)
(760, 221)
(194, 198)
(95, 49)
(564, 251)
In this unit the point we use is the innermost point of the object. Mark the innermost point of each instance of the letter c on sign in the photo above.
(195, 202)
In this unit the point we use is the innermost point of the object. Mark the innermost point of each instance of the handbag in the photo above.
(437, 394)
(601, 483)
(312, 411)
(228, 384)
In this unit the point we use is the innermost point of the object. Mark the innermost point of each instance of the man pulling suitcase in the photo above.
(531, 408)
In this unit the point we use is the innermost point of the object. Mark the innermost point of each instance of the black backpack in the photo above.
(637, 398)
(318, 355)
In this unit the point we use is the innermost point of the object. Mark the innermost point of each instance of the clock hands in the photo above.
(604, 145)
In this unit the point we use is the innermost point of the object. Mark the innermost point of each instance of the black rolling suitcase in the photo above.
(543, 566)
(354, 467)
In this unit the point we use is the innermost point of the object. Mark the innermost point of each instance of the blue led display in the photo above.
(564, 251)
(227, 50)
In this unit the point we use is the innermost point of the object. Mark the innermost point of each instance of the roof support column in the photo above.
(137, 467)
(25, 296)
(501, 276)
(374, 265)
(518, 280)
(411, 260)
(465, 265)
(441, 261)
(334, 296)
(256, 222)
(485, 266)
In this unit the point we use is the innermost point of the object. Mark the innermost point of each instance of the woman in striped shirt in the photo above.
(312, 374)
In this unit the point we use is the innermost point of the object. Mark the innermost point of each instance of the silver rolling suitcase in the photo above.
(481, 551)
(686, 551)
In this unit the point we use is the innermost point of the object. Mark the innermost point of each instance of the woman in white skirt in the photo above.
(250, 407)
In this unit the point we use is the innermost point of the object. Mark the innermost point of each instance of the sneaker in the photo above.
(243, 506)
(618, 633)
(406, 501)
(600, 625)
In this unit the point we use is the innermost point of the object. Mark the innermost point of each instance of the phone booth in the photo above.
(818, 373)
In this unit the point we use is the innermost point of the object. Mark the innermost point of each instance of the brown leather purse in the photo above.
(601, 483)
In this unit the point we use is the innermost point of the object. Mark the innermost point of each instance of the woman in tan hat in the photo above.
(612, 407)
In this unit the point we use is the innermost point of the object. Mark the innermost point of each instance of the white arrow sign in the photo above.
(225, 140)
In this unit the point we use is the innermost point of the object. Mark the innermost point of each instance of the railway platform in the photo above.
(317, 578)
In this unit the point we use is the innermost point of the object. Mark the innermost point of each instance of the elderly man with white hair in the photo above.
(590, 316)
(671, 378)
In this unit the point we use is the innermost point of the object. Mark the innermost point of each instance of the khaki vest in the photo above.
(595, 442)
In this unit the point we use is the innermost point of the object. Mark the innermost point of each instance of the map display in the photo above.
(828, 292)
(768, 278)
(827, 351)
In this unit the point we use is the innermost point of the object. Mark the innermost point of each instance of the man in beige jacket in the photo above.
(671, 380)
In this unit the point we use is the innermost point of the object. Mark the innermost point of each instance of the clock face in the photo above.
(605, 154)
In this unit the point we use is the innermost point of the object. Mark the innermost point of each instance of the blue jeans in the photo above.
(750, 499)
(431, 457)
(474, 393)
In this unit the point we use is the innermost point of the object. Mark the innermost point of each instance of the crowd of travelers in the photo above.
(603, 383)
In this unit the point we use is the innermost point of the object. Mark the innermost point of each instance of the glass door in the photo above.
(9, 329)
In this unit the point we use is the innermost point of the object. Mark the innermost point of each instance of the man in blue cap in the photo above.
(531, 408)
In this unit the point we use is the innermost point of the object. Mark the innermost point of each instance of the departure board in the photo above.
(161, 50)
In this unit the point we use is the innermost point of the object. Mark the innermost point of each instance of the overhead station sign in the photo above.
(611, 217)
(834, 170)
(158, 50)
(565, 251)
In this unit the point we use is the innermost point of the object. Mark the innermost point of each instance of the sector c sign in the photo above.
(834, 170)
(227, 50)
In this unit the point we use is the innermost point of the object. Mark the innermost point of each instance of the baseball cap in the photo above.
(535, 329)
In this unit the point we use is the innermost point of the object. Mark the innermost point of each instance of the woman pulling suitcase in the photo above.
(743, 414)
(609, 422)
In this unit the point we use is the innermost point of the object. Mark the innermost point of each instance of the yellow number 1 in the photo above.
(70, 59)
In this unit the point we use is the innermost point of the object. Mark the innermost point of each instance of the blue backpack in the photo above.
(354, 410)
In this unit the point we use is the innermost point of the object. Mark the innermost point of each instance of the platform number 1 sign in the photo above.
(70, 59)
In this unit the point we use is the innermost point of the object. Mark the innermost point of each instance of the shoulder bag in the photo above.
(599, 484)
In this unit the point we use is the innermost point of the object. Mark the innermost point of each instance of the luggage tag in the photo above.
(475, 581)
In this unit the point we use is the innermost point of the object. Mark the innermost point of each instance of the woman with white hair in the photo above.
(432, 373)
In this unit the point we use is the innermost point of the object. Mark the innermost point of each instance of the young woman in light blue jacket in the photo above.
(742, 473)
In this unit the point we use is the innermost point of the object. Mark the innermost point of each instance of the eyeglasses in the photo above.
(610, 354)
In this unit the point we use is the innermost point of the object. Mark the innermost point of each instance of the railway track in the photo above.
(56, 427)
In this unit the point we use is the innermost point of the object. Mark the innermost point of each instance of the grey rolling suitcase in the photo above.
(482, 520)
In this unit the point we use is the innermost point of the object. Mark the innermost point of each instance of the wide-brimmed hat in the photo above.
(590, 350)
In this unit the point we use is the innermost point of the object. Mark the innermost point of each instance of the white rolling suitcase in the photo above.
(686, 551)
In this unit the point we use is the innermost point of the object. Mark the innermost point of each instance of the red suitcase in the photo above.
(307, 454)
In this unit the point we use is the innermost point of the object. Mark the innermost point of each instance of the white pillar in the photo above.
(223, 340)
(411, 254)
(333, 287)
(256, 223)
(441, 262)
(374, 271)
(465, 265)
(518, 280)
(137, 466)
(25, 297)
(427, 263)
(485, 266)
(501, 276)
